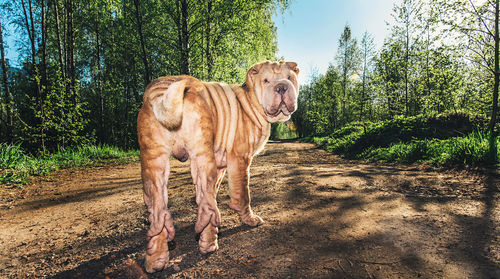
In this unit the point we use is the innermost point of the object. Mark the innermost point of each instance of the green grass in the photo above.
(16, 166)
(448, 139)
(472, 150)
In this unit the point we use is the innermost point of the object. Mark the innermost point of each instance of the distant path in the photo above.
(325, 217)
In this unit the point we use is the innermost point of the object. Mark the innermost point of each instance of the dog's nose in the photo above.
(281, 88)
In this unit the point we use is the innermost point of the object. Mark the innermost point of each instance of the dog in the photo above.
(217, 126)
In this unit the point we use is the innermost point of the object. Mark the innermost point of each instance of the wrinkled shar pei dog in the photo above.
(217, 126)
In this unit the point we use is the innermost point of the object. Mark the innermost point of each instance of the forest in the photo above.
(433, 83)
(389, 167)
(83, 66)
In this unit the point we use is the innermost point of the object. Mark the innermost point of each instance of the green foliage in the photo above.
(16, 166)
(282, 130)
(82, 80)
(319, 105)
(472, 149)
(443, 139)
(9, 155)
(57, 121)
(438, 59)
(416, 150)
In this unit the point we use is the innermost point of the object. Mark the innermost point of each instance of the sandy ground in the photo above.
(324, 218)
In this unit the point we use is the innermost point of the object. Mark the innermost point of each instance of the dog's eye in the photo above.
(266, 81)
(289, 77)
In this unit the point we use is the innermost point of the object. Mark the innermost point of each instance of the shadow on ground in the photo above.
(325, 218)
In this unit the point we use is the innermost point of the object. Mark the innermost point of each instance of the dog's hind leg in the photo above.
(155, 171)
(208, 237)
(204, 173)
(198, 138)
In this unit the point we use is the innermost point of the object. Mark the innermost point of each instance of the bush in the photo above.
(16, 166)
(10, 155)
(403, 152)
(401, 129)
(456, 138)
(282, 130)
(473, 149)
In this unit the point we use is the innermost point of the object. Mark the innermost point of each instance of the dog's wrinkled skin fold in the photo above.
(218, 127)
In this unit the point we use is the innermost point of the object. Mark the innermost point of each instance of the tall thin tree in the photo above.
(367, 53)
(5, 79)
(138, 17)
(347, 62)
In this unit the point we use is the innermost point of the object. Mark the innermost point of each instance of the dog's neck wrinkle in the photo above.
(250, 107)
(254, 111)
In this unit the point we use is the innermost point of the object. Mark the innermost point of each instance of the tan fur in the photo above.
(218, 127)
(167, 104)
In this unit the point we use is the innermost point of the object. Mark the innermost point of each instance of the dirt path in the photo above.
(325, 218)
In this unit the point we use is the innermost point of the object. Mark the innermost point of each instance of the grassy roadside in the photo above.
(16, 166)
(444, 140)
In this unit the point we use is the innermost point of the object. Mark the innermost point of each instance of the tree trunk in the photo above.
(30, 28)
(344, 87)
(427, 61)
(127, 119)
(5, 76)
(59, 42)
(208, 53)
(44, 45)
(71, 50)
(494, 109)
(363, 94)
(99, 82)
(407, 61)
(185, 60)
(138, 17)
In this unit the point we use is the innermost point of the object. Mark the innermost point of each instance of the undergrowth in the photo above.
(448, 139)
(16, 166)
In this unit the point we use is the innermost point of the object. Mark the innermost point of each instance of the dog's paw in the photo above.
(252, 219)
(157, 254)
(154, 263)
(208, 240)
(206, 248)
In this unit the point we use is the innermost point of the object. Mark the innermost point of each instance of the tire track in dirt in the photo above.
(325, 217)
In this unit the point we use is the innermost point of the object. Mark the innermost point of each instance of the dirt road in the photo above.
(325, 218)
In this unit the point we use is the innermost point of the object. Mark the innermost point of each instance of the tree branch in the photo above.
(481, 18)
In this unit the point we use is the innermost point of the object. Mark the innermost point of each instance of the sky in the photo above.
(309, 31)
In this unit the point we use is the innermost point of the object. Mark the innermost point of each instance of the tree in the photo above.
(318, 108)
(70, 50)
(348, 59)
(478, 25)
(103, 53)
(29, 21)
(404, 30)
(147, 72)
(367, 54)
(389, 73)
(7, 96)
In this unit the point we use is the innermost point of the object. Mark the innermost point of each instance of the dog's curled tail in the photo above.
(167, 103)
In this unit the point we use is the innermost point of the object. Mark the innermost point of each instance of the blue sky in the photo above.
(308, 32)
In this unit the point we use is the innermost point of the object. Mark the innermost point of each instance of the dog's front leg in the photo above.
(238, 175)
(155, 173)
(205, 178)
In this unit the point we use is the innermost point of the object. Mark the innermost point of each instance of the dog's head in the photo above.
(276, 87)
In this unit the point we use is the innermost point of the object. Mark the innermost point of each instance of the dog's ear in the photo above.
(254, 70)
(293, 67)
